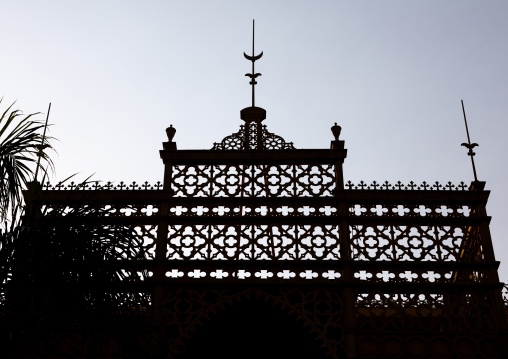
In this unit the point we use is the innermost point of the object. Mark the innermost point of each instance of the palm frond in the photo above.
(21, 143)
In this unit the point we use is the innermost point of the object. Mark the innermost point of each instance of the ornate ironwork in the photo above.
(253, 75)
(98, 186)
(469, 145)
(408, 271)
(269, 140)
(424, 186)
(375, 270)
(110, 186)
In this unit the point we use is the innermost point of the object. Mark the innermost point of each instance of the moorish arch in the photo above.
(264, 324)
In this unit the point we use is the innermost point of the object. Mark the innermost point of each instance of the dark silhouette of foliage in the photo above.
(21, 144)
(58, 274)
(64, 275)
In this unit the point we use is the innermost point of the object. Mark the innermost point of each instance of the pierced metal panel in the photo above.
(316, 180)
(414, 243)
(406, 268)
(98, 186)
(410, 210)
(263, 139)
(424, 186)
(253, 242)
(247, 210)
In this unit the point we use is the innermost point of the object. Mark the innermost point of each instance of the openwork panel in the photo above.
(101, 209)
(411, 186)
(253, 180)
(254, 211)
(253, 242)
(415, 243)
(148, 235)
(98, 186)
(269, 141)
(433, 275)
(448, 311)
(410, 210)
(232, 272)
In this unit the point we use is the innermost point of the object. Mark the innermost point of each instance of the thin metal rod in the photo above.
(465, 121)
(253, 58)
(471, 153)
(41, 147)
(253, 54)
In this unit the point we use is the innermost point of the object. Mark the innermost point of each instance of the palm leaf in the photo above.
(21, 143)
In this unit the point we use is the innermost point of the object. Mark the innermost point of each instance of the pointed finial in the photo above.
(253, 58)
(170, 132)
(469, 145)
(336, 131)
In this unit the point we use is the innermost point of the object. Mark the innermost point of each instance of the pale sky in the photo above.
(391, 73)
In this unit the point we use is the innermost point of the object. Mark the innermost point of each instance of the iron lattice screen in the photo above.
(372, 270)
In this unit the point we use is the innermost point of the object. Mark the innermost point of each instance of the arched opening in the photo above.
(252, 328)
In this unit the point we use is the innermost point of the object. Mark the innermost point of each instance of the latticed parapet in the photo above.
(134, 186)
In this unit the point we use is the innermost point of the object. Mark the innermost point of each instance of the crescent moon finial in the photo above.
(253, 58)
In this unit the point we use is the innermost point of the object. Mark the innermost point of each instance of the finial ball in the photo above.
(170, 132)
(336, 131)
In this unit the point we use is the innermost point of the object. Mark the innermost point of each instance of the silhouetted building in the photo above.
(257, 249)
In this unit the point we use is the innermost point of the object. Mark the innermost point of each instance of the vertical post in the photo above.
(338, 145)
(253, 82)
(162, 231)
(347, 274)
(161, 246)
(345, 249)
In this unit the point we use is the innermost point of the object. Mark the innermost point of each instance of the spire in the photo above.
(253, 58)
(469, 145)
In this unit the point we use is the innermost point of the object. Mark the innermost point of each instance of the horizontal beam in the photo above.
(273, 220)
(168, 264)
(249, 157)
(349, 196)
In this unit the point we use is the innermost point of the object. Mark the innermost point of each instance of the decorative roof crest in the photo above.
(253, 135)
